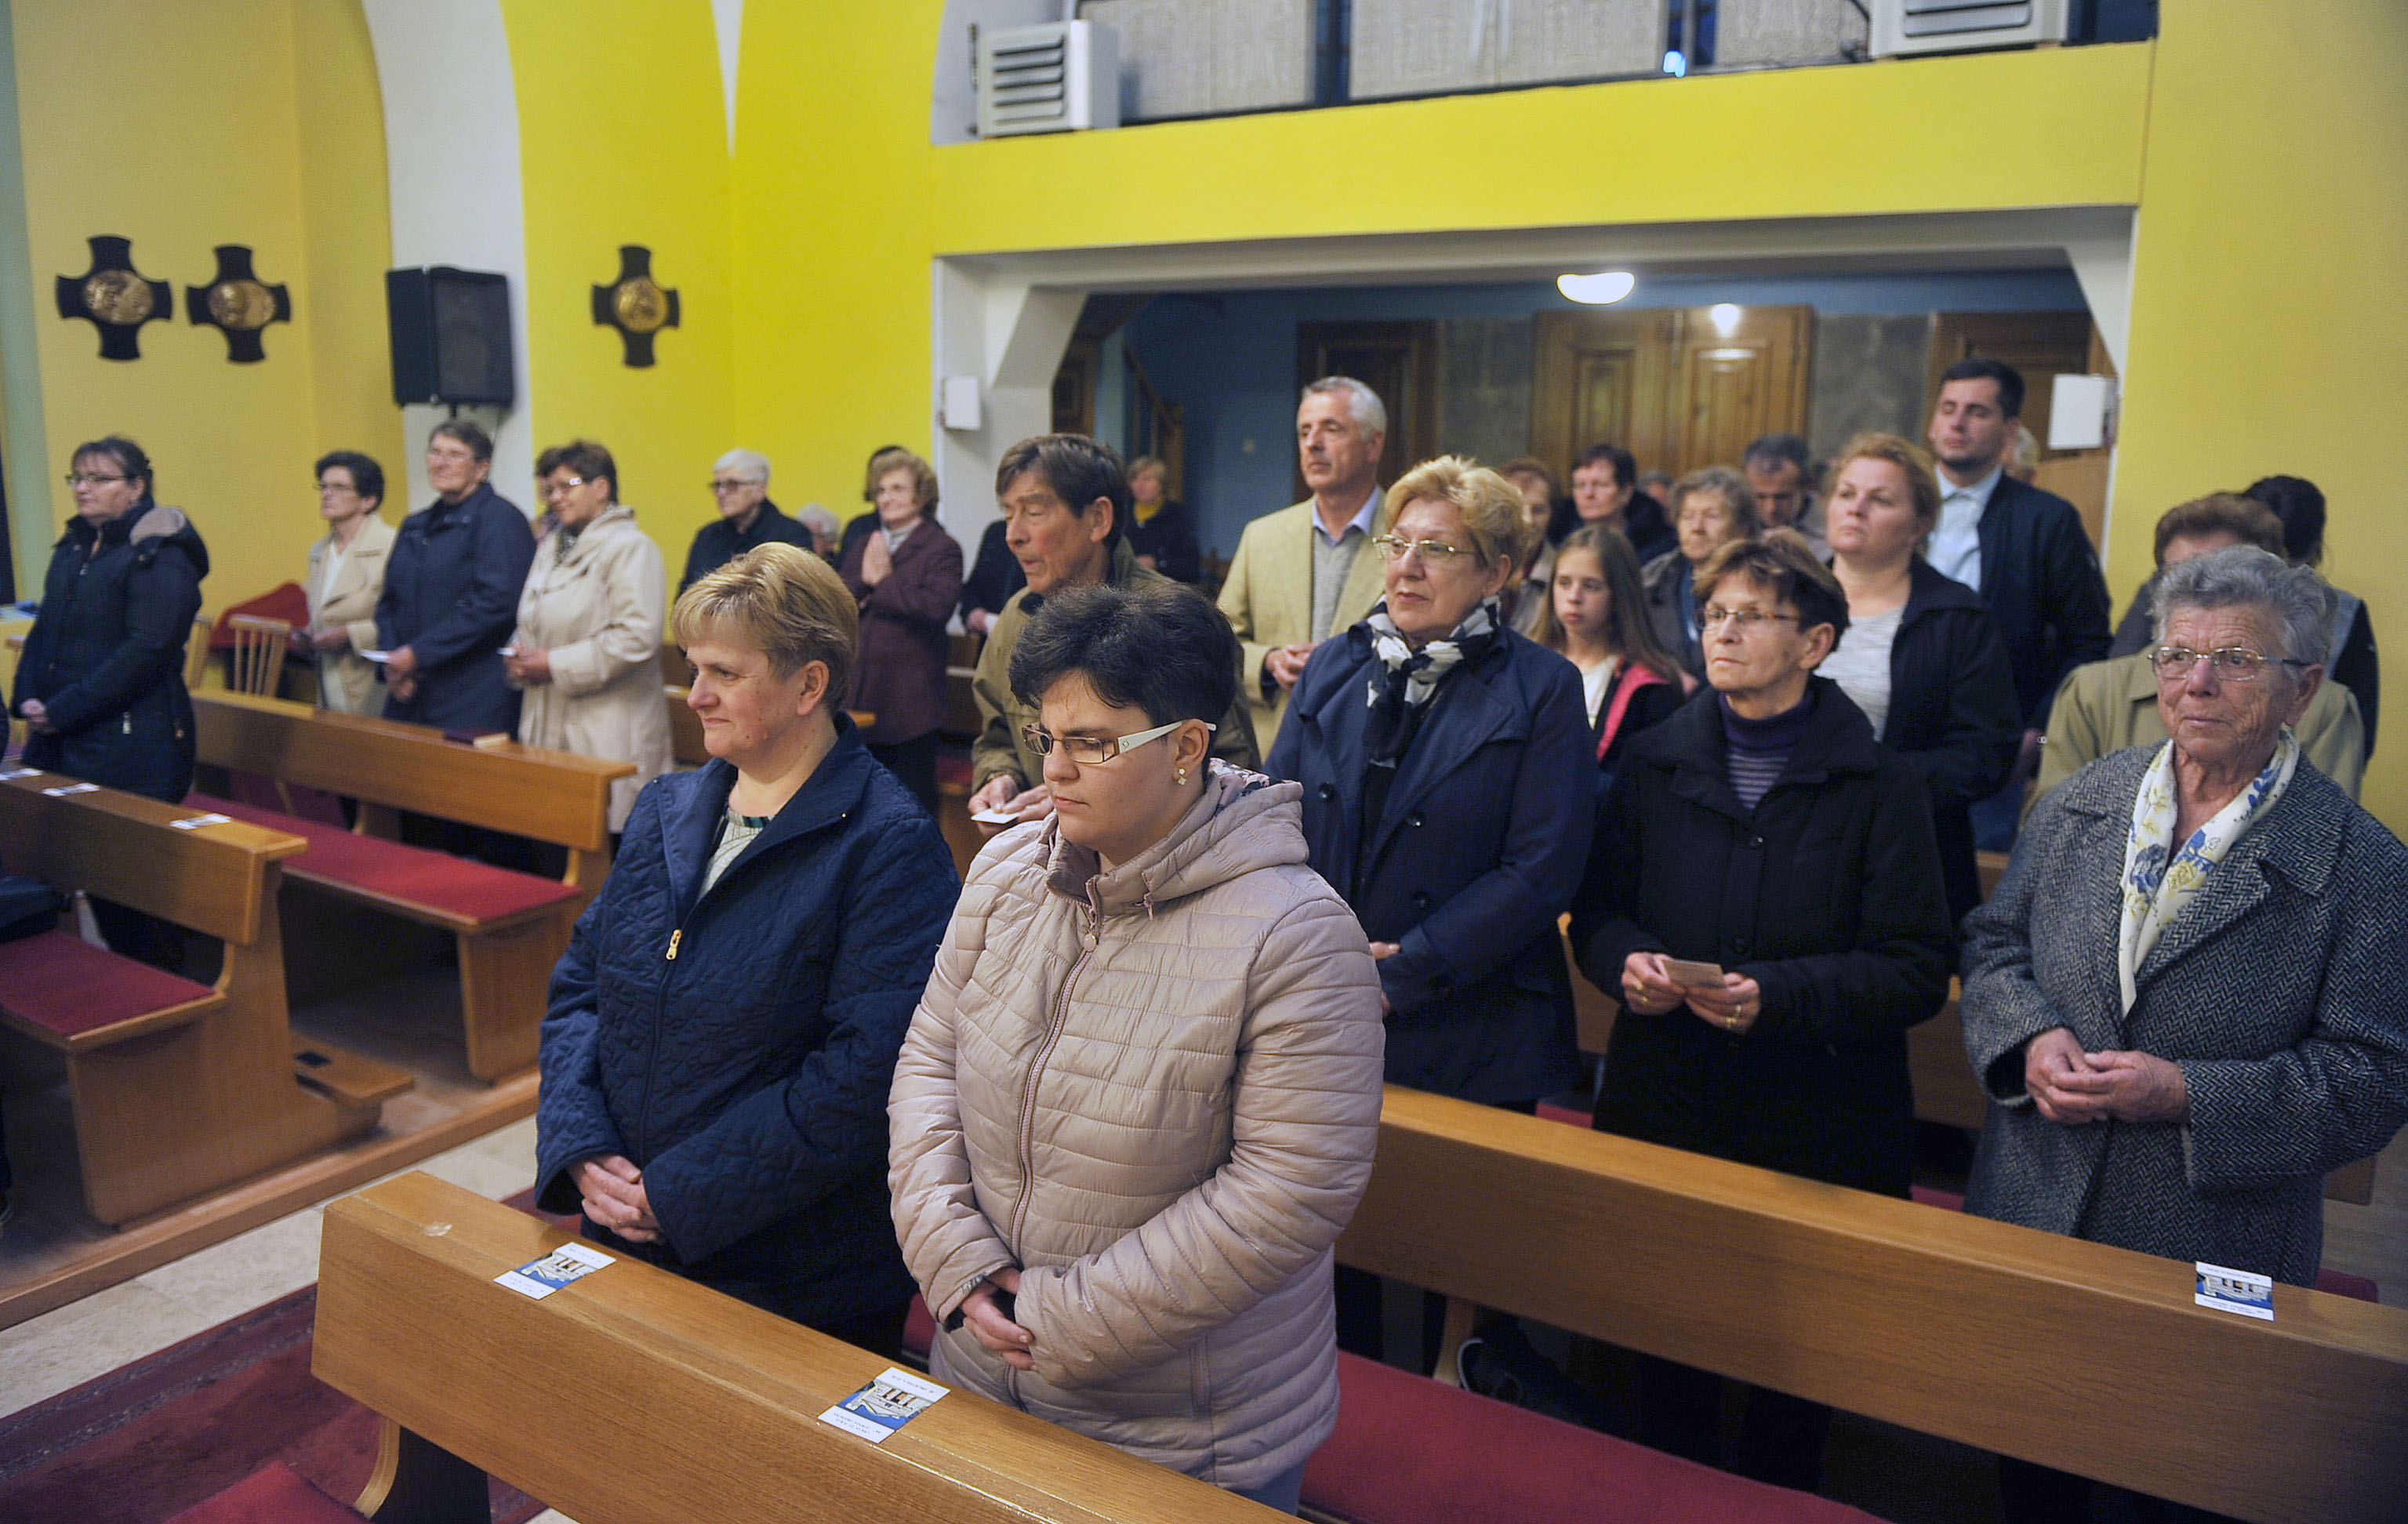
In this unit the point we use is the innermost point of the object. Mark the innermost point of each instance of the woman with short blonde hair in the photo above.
(724, 1027)
(1449, 785)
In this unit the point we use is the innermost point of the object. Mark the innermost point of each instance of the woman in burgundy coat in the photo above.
(907, 576)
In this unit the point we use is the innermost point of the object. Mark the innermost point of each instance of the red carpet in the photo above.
(155, 1437)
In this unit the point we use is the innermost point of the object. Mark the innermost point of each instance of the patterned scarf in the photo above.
(1399, 690)
(2159, 880)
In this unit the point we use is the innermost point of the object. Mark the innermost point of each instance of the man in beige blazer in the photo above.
(1306, 573)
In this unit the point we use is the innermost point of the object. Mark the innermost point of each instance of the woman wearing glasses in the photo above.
(587, 649)
(722, 1029)
(1765, 896)
(1138, 1102)
(1449, 784)
(100, 684)
(2184, 997)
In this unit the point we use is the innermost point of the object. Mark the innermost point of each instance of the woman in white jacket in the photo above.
(1138, 1101)
(587, 650)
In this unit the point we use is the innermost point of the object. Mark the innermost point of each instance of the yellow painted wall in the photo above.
(842, 202)
(194, 137)
(2269, 315)
(623, 140)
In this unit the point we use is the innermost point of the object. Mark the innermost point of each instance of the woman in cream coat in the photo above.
(1138, 1101)
(346, 579)
(587, 649)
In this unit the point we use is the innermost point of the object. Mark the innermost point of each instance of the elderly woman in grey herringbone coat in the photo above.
(2184, 1000)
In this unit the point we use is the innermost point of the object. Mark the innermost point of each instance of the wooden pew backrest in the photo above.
(728, 1396)
(551, 796)
(2075, 1355)
(211, 884)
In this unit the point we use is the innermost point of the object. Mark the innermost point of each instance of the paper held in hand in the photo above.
(1689, 976)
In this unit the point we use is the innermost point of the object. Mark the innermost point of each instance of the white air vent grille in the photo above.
(1933, 26)
(1061, 76)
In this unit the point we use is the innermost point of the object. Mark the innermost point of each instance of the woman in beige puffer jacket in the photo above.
(1152, 1092)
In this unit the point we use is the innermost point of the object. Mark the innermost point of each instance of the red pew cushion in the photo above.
(277, 1495)
(70, 986)
(454, 885)
(1408, 1450)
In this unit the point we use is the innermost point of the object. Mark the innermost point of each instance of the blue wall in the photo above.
(1228, 358)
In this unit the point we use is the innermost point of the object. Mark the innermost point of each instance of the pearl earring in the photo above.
(1182, 774)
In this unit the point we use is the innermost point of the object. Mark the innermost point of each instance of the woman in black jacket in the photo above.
(722, 1029)
(1763, 831)
(1922, 656)
(100, 683)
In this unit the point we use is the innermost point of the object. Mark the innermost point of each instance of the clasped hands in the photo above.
(1005, 1339)
(1648, 990)
(614, 1189)
(37, 717)
(528, 668)
(2071, 1086)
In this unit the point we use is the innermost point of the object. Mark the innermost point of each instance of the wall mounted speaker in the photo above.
(450, 336)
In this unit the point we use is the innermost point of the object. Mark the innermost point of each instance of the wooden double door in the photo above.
(1674, 386)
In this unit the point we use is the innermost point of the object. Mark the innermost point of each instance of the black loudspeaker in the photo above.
(450, 336)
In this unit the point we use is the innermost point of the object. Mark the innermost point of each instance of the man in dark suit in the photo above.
(2025, 550)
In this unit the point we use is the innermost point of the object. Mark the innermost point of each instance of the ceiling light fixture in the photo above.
(1600, 290)
(1726, 316)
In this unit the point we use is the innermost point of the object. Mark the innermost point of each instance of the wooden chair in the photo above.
(196, 653)
(260, 646)
(176, 1088)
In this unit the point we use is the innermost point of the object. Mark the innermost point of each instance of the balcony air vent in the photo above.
(1059, 78)
(1956, 26)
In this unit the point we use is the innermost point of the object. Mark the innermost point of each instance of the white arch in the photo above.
(451, 164)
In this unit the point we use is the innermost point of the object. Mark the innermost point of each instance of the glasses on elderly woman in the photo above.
(1433, 552)
(1090, 750)
(2233, 663)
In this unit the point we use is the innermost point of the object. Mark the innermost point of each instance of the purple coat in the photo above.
(899, 674)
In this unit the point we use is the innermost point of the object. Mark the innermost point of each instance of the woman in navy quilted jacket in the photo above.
(724, 1027)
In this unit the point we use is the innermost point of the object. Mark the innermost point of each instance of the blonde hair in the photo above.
(1491, 506)
(1903, 453)
(781, 601)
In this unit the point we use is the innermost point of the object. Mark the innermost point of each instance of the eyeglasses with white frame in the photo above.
(1092, 750)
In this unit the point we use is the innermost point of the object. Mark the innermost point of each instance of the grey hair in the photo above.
(821, 519)
(2244, 575)
(750, 464)
(1370, 413)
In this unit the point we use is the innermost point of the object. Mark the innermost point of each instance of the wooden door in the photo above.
(1602, 377)
(1397, 360)
(2040, 345)
(1671, 386)
(1737, 378)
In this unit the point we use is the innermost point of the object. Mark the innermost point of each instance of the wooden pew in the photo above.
(510, 928)
(2075, 1355)
(176, 1088)
(634, 1396)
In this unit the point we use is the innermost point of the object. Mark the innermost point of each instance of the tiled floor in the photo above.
(47, 1354)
